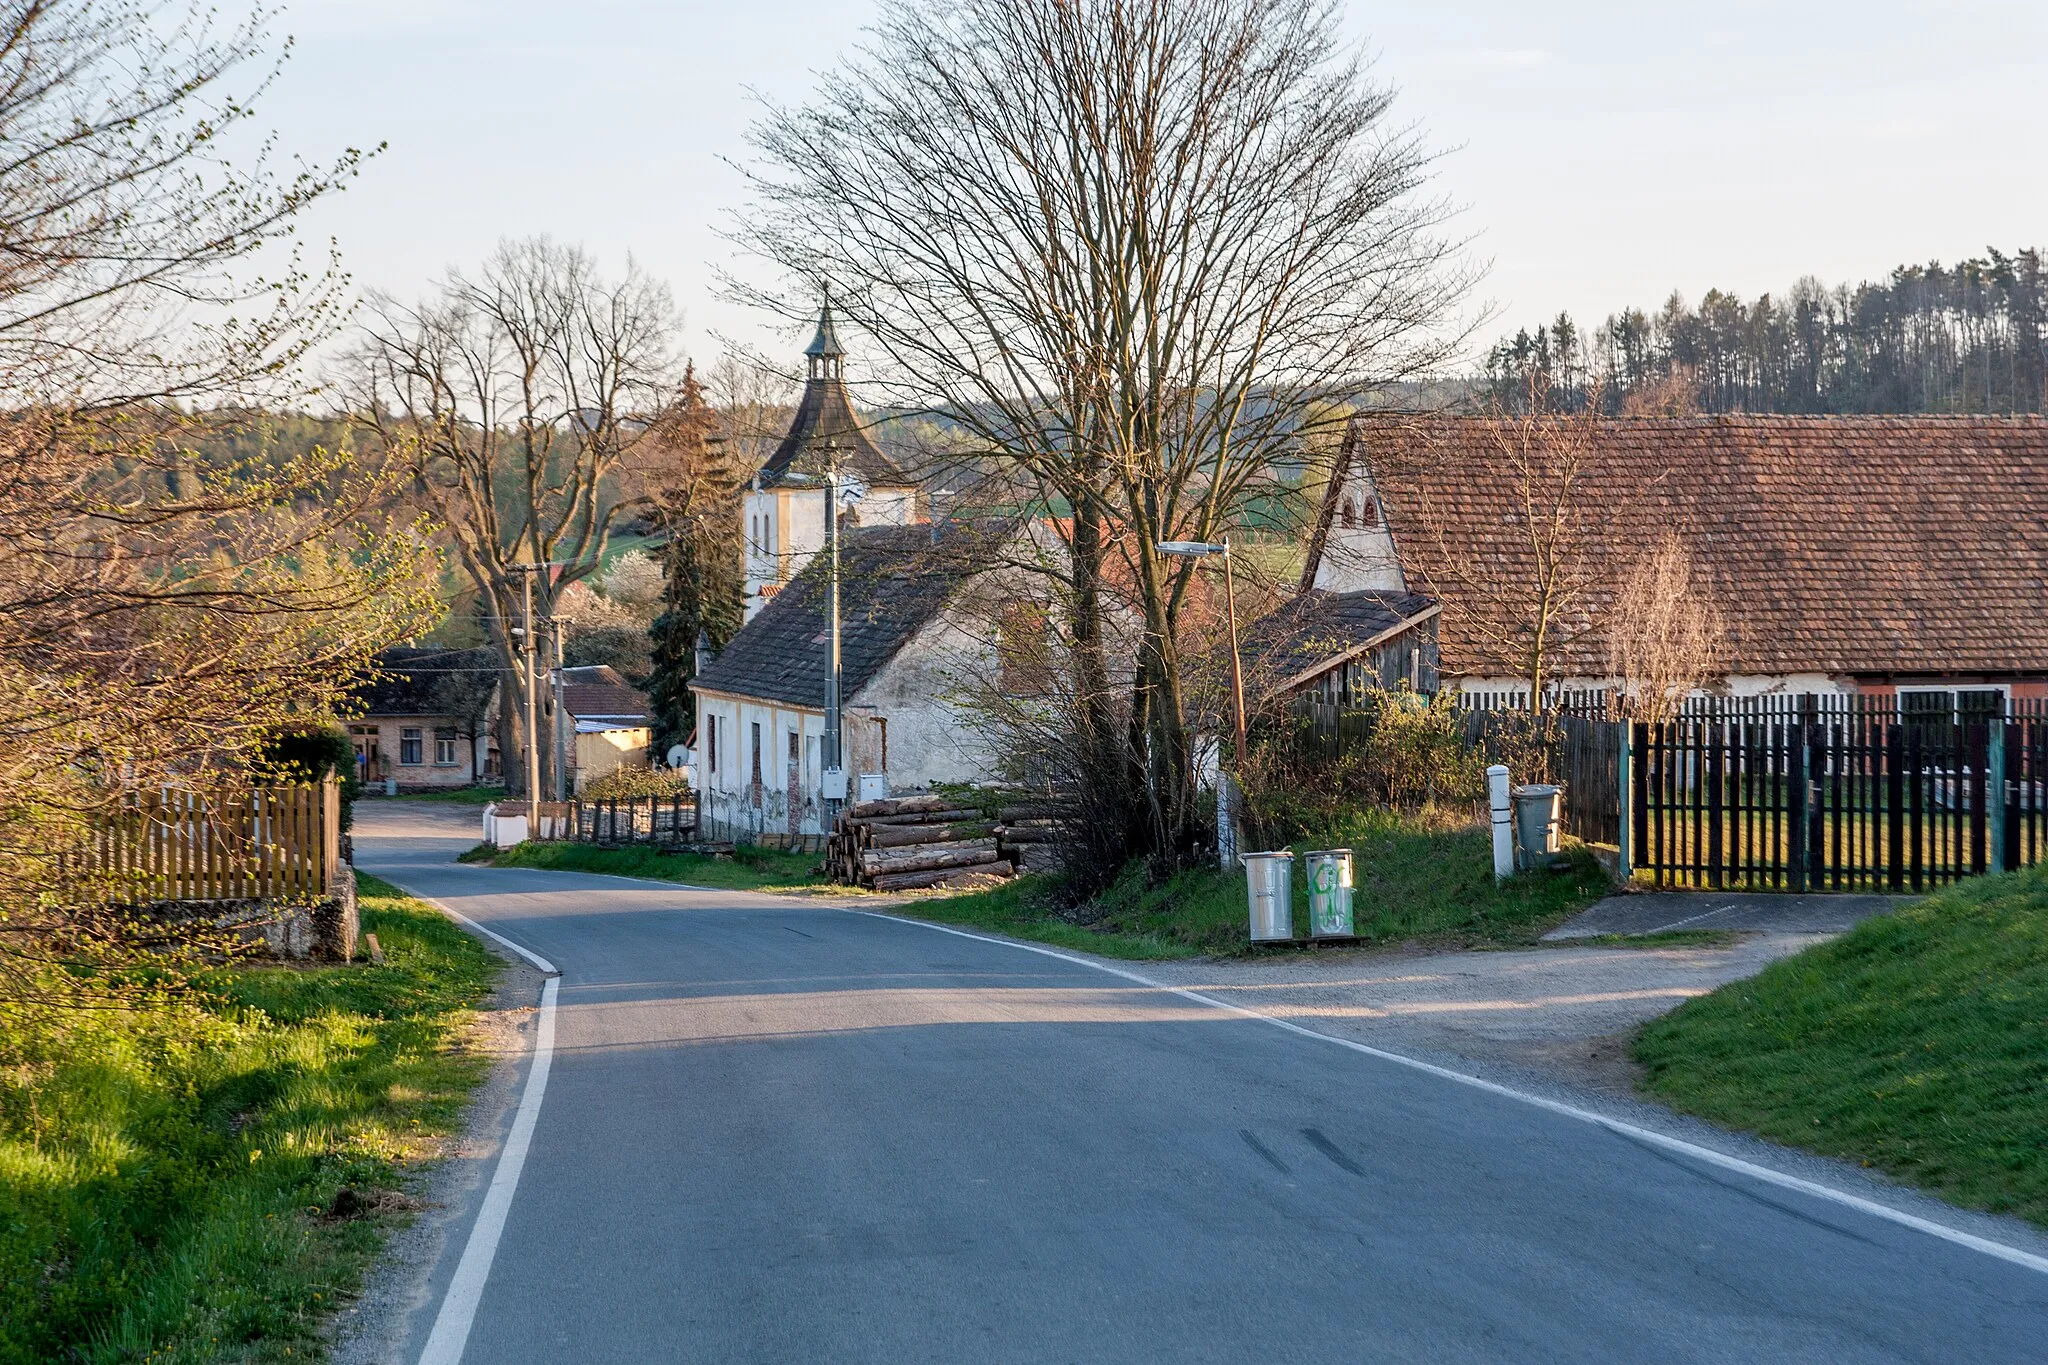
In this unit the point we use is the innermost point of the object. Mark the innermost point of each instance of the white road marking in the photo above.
(446, 1343)
(2012, 1255)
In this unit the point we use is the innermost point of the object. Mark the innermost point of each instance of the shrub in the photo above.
(622, 784)
(1399, 750)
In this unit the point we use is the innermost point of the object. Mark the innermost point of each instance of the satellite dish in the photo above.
(678, 756)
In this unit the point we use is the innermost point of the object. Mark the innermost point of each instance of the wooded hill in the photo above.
(1971, 337)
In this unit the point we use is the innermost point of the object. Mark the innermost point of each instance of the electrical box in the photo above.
(832, 784)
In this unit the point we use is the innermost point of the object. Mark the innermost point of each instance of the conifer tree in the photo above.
(699, 505)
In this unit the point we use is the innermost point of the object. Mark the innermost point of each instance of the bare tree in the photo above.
(1126, 245)
(518, 403)
(1519, 595)
(1664, 633)
(161, 610)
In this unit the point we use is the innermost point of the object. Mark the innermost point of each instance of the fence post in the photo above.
(330, 833)
(1625, 800)
(1798, 803)
(1994, 796)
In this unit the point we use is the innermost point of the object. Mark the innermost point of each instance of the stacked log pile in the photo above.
(1029, 837)
(913, 841)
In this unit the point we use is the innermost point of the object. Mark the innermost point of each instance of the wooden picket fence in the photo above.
(278, 843)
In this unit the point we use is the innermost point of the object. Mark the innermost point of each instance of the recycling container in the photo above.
(1269, 880)
(1329, 894)
(1538, 809)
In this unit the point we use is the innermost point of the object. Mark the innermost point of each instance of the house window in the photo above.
(754, 735)
(883, 726)
(444, 746)
(794, 751)
(409, 745)
(1349, 516)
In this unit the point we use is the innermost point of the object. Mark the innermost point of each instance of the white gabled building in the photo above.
(915, 640)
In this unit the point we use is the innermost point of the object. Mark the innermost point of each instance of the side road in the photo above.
(778, 1130)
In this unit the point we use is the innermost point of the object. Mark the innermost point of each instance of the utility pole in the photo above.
(561, 628)
(526, 573)
(835, 790)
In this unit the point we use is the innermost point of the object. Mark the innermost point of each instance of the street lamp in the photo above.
(832, 774)
(1226, 838)
(1202, 549)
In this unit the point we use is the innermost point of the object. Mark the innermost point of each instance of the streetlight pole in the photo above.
(833, 759)
(561, 628)
(526, 573)
(1236, 662)
(1202, 549)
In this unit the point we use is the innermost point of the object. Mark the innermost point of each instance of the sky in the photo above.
(1602, 153)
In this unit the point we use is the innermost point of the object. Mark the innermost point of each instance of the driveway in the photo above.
(784, 1131)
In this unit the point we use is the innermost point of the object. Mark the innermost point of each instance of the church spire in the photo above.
(825, 354)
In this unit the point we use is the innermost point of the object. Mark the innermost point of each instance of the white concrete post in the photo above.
(1502, 807)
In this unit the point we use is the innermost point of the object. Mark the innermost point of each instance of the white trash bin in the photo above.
(1538, 813)
(1269, 884)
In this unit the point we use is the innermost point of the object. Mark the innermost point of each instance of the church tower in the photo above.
(785, 503)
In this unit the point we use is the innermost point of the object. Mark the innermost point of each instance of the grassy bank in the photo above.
(1418, 880)
(1914, 1043)
(168, 1172)
(747, 868)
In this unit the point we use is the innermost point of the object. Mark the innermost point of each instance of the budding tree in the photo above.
(162, 609)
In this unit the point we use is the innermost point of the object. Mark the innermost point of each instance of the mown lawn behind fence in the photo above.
(1916, 1043)
(166, 1170)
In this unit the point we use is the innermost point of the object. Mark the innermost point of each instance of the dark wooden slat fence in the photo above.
(662, 820)
(1789, 793)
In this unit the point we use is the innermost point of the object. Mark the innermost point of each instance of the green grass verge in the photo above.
(747, 868)
(1916, 1043)
(164, 1168)
(1417, 881)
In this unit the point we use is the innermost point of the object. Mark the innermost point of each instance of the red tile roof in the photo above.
(1832, 544)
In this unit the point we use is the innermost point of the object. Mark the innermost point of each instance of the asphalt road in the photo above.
(774, 1131)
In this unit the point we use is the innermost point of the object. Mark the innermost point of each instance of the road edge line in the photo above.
(457, 1314)
(1984, 1245)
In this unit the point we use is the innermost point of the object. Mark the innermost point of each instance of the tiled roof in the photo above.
(598, 691)
(892, 581)
(430, 682)
(1831, 544)
(1316, 630)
